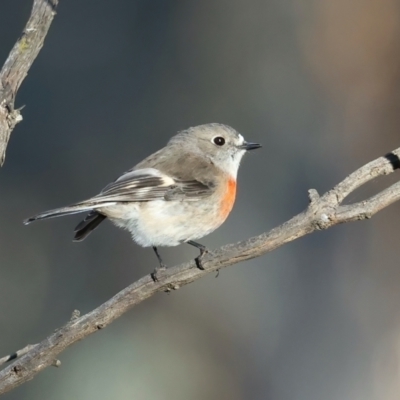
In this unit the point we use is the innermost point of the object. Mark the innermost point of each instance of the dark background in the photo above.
(317, 83)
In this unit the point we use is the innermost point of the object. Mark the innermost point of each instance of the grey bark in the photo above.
(17, 65)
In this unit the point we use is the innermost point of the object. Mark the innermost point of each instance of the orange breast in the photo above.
(228, 199)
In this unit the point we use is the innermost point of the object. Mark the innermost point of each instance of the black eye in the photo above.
(219, 141)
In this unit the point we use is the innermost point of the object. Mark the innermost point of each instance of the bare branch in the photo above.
(367, 208)
(20, 353)
(381, 166)
(322, 212)
(18, 64)
(17, 354)
(56, 363)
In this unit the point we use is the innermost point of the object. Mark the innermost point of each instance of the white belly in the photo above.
(165, 223)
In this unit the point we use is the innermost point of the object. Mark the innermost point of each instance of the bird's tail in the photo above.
(60, 212)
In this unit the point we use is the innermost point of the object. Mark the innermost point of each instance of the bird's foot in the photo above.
(203, 250)
(198, 259)
(161, 268)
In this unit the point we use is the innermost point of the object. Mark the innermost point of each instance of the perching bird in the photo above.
(177, 195)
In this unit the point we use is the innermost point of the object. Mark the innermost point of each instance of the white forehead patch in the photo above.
(241, 138)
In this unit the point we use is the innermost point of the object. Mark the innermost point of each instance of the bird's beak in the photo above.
(249, 146)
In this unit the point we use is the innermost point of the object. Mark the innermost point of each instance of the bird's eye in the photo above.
(219, 140)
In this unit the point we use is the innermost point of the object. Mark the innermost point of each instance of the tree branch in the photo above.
(18, 64)
(322, 213)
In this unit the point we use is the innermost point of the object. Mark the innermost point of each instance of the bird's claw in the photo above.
(198, 260)
(154, 274)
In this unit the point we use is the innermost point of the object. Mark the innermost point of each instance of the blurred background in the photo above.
(317, 83)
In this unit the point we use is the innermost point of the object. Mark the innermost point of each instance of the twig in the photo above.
(322, 212)
(18, 64)
(20, 353)
(17, 354)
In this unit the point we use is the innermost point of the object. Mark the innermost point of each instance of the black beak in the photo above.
(249, 146)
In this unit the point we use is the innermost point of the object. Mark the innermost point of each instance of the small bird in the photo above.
(177, 195)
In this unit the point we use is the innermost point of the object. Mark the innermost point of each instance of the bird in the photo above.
(178, 194)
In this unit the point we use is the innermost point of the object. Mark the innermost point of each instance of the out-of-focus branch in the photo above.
(322, 213)
(17, 65)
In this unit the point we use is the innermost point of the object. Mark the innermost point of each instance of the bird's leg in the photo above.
(203, 250)
(160, 267)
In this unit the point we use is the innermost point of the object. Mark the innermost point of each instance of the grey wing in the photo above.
(134, 186)
(150, 184)
(140, 185)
